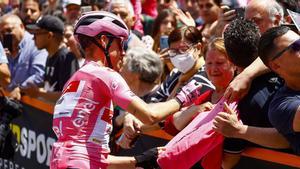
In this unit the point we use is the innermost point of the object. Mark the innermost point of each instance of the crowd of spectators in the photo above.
(243, 50)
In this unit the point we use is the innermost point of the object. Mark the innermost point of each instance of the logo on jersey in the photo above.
(107, 115)
(84, 112)
(66, 104)
(72, 87)
(114, 85)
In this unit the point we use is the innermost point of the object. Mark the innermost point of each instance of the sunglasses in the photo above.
(295, 46)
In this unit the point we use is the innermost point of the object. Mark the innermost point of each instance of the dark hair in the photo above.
(84, 40)
(188, 33)
(160, 18)
(241, 39)
(37, 1)
(266, 43)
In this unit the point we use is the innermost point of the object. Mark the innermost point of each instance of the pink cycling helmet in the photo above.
(96, 22)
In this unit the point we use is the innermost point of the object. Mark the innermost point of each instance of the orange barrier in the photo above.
(252, 152)
(38, 104)
(273, 156)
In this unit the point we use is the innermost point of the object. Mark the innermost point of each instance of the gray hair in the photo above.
(126, 3)
(276, 8)
(144, 62)
(273, 8)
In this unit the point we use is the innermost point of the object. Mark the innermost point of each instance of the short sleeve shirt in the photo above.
(59, 69)
(3, 58)
(282, 113)
(253, 108)
(84, 112)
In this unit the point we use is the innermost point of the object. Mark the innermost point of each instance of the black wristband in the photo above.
(161, 124)
(179, 102)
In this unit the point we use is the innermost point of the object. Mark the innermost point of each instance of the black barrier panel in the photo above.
(34, 133)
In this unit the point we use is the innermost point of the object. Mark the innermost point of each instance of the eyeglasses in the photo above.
(295, 46)
(181, 50)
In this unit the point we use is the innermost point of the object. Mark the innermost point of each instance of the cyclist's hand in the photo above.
(132, 126)
(189, 93)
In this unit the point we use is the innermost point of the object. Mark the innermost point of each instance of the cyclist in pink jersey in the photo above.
(82, 115)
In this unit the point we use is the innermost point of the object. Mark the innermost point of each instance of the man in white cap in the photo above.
(124, 9)
(72, 11)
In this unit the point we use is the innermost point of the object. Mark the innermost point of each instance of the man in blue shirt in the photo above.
(26, 62)
(4, 71)
(279, 49)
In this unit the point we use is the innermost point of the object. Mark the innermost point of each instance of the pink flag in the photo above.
(195, 142)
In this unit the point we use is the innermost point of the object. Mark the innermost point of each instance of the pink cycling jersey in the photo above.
(82, 119)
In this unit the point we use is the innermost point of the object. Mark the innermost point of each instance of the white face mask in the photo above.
(183, 62)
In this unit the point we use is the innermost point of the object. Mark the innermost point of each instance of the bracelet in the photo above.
(179, 102)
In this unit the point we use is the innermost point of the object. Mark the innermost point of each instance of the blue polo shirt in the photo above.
(29, 65)
(253, 108)
(282, 113)
(3, 58)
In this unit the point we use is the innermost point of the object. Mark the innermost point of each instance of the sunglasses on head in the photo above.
(295, 46)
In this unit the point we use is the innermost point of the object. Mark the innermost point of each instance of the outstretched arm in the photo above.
(182, 118)
(145, 160)
(227, 123)
(116, 162)
(152, 113)
(240, 85)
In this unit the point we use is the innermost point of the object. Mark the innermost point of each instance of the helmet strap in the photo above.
(105, 50)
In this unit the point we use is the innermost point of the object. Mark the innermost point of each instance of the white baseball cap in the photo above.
(70, 2)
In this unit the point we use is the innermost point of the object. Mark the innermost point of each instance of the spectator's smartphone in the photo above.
(295, 18)
(86, 9)
(164, 42)
(240, 12)
(7, 41)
